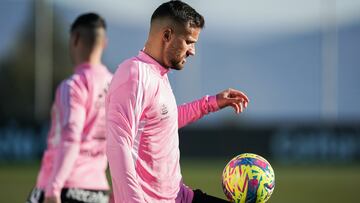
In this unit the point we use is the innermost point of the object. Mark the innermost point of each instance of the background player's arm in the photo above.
(123, 114)
(190, 112)
(70, 104)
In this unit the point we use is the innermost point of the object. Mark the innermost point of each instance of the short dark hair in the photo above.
(88, 20)
(87, 27)
(180, 12)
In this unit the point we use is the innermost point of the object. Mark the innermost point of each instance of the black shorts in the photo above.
(201, 197)
(72, 195)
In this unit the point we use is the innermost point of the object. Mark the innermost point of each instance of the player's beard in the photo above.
(175, 58)
(177, 64)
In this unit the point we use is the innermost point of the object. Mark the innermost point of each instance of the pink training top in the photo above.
(75, 155)
(142, 133)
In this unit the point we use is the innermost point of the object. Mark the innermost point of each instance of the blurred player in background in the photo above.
(73, 167)
(143, 118)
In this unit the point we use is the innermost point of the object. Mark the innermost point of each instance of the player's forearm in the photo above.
(63, 165)
(190, 112)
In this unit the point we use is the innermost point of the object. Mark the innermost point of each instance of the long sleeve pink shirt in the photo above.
(75, 155)
(142, 133)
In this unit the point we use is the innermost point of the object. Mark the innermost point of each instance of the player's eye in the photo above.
(189, 42)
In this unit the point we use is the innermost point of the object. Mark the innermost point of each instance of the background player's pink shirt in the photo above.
(142, 133)
(75, 155)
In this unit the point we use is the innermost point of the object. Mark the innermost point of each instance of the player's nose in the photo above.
(191, 51)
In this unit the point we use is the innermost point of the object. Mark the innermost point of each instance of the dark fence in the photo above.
(22, 143)
(296, 144)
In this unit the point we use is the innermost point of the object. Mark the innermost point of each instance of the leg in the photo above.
(201, 197)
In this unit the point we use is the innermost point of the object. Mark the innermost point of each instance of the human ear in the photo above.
(167, 34)
(75, 38)
(105, 42)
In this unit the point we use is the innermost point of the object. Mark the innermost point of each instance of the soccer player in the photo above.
(74, 163)
(143, 118)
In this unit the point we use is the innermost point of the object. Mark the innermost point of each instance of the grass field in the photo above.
(310, 184)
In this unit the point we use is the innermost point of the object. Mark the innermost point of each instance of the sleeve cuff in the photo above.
(212, 104)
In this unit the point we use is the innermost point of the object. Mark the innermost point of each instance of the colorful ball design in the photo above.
(248, 178)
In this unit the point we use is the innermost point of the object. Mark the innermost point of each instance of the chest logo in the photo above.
(164, 109)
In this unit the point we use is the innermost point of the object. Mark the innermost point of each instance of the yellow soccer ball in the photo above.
(248, 178)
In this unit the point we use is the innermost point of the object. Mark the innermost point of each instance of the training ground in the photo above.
(295, 184)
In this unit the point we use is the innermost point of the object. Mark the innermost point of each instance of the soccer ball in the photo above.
(248, 178)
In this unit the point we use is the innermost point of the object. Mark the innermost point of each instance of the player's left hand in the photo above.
(234, 98)
(52, 200)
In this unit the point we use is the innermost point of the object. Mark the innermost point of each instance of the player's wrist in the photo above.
(213, 103)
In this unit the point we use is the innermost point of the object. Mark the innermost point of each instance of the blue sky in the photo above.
(272, 50)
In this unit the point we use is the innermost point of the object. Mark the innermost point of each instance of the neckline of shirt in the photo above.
(86, 65)
(159, 68)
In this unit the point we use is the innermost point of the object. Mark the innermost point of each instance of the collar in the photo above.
(86, 65)
(148, 59)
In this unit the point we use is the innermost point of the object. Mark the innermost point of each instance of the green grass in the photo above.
(310, 184)
(16, 181)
